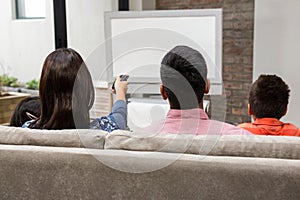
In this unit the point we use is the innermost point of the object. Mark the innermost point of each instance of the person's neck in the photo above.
(200, 105)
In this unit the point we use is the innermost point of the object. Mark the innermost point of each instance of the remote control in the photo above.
(123, 78)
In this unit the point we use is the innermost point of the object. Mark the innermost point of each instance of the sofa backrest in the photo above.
(214, 145)
(229, 145)
(58, 138)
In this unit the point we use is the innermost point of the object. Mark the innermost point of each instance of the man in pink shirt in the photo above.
(184, 82)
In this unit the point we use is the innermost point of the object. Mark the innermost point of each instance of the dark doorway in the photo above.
(60, 24)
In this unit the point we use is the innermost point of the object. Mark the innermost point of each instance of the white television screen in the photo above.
(137, 41)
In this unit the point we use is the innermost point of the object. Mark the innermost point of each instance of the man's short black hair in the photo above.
(183, 73)
(269, 97)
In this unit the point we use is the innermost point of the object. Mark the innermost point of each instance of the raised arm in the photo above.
(117, 119)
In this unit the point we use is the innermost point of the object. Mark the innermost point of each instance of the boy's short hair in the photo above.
(269, 97)
(183, 74)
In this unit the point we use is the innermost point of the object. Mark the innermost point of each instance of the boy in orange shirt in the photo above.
(268, 100)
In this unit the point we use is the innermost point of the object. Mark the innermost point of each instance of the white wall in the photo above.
(136, 5)
(86, 34)
(139, 5)
(24, 43)
(277, 46)
(85, 23)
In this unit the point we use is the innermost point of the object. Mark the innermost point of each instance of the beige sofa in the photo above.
(89, 164)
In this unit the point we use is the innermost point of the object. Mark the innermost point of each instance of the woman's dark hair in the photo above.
(29, 105)
(269, 97)
(66, 91)
(183, 74)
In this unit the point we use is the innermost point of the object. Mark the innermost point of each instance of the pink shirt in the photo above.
(194, 121)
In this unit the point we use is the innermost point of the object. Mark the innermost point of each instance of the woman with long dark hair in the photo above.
(67, 94)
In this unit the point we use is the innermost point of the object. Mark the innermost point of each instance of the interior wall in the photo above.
(85, 24)
(136, 5)
(139, 5)
(277, 47)
(86, 33)
(24, 43)
(149, 4)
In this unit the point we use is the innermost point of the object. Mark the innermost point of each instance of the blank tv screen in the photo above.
(137, 41)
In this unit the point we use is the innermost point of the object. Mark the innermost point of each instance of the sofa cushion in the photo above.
(228, 145)
(58, 138)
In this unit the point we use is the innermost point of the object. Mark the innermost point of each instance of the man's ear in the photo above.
(207, 86)
(163, 92)
(250, 111)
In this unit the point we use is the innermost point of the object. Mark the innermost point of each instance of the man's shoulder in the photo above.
(227, 128)
(245, 125)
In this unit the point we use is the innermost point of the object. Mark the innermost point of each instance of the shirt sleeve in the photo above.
(27, 124)
(117, 119)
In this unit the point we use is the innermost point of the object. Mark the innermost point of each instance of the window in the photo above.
(30, 9)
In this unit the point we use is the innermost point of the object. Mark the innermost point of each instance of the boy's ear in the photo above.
(163, 92)
(207, 86)
(250, 112)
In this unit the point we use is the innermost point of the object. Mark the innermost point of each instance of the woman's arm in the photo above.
(117, 119)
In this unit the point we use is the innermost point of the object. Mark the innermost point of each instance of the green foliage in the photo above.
(33, 84)
(9, 81)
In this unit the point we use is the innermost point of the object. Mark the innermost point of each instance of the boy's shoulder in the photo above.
(271, 126)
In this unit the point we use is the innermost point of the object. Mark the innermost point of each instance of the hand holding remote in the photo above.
(122, 77)
(120, 87)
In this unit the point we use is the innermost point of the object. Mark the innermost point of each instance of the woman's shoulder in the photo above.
(106, 123)
(30, 124)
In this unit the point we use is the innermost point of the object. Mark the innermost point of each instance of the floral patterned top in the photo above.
(117, 119)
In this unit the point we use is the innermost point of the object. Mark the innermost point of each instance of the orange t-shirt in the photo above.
(271, 126)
